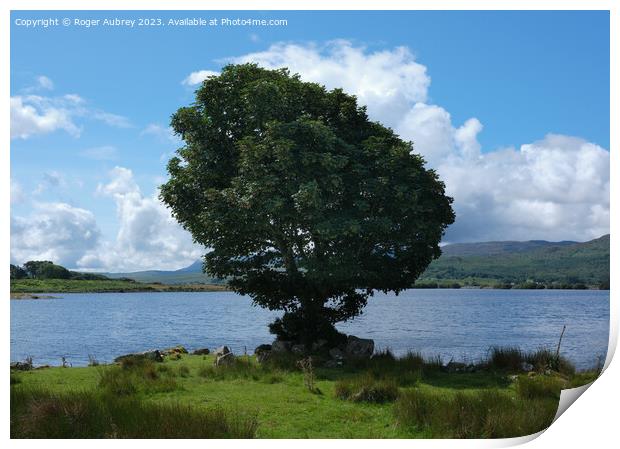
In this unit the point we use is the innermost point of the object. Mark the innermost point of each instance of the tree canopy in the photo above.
(305, 204)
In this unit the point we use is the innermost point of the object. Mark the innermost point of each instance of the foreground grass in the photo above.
(20, 287)
(382, 398)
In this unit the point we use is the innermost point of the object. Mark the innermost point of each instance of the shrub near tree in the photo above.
(305, 204)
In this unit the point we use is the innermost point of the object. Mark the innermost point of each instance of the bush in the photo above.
(539, 387)
(41, 414)
(486, 414)
(366, 389)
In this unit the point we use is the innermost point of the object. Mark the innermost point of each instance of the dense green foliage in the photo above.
(529, 265)
(384, 397)
(307, 206)
(45, 269)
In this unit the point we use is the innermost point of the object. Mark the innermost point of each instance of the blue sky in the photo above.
(502, 104)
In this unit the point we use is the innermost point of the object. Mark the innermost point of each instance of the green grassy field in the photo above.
(19, 286)
(380, 398)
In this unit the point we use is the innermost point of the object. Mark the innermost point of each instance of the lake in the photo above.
(456, 324)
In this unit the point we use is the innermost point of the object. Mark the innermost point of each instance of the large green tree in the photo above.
(306, 205)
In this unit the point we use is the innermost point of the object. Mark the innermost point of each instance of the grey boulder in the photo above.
(359, 347)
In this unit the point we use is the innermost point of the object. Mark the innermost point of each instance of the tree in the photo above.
(44, 269)
(306, 205)
(18, 272)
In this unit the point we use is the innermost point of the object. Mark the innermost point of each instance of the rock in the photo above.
(262, 348)
(359, 347)
(333, 363)
(221, 351)
(336, 354)
(176, 350)
(155, 355)
(298, 349)
(263, 356)
(455, 367)
(471, 368)
(21, 366)
(281, 346)
(225, 359)
(527, 367)
(318, 345)
(202, 351)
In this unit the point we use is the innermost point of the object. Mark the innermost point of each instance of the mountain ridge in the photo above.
(502, 261)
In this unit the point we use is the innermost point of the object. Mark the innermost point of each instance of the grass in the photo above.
(478, 414)
(366, 389)
(512, 359)
(21, 287)
(87, 414)
(385, 397)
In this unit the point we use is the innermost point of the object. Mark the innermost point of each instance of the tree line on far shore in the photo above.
(45, 269)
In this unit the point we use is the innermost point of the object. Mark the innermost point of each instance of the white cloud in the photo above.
(53, 231)
(115, 120)
(102, 153)
(162, 133)
(198, 77)
(387, 81)
(17, 192)
(555, 189)
(30, 116)
(51, 180)
(45, 83)
(148, 236)
(35, 114)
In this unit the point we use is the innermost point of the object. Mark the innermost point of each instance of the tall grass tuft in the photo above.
(365, 388)
(405, 371)
(512, 359)
(42, 414)
(505, 358)
(539, 387)
(242, 368)
(544, 359)
(129, 378)
(485, 414)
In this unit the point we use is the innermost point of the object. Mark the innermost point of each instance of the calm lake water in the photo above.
(459, 324)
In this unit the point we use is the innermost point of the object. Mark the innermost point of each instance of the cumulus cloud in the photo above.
(30, 116)
(148, 235)
(36, 114)
(556, 188)
(198, 77)
(388, 82)
(53, 231)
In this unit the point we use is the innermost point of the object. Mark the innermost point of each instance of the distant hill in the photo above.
(191, 274)
(488, 263)
(521, 262)
(498, 248)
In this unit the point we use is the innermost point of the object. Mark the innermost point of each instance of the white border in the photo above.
(591, 421)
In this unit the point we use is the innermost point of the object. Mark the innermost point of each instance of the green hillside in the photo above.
(563, 264)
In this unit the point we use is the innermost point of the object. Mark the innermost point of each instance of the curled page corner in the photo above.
(568, 397)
